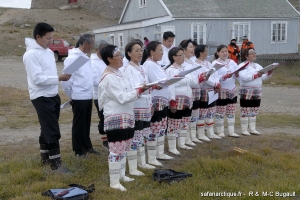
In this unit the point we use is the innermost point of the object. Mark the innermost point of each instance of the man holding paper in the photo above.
(80, 90)
(43, 83)
(250, 92)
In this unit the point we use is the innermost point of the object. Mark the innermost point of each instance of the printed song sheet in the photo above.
(80, 61)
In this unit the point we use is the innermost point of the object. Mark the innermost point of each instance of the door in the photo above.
(168, 28)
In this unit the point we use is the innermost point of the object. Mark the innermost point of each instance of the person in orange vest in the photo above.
(246, 45)
(234, 50)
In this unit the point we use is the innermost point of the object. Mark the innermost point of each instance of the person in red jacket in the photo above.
(246, 45)
(234, 50)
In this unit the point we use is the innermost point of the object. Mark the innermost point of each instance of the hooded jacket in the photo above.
(80, 85)
(98, 67)
(41, 70)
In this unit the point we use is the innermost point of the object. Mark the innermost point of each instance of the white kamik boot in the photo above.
(172, 143)
(122, 172)
(151, 151)
(252, 126)
(244, 125)
(201, 132)
(114, 175)
(230, 124)
(141, 159)
(220, 127)
(193, 132)
(160, 147)
(132, 163)
(181, 139)
(210, 128)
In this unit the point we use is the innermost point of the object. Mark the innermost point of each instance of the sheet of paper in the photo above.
(218, 66)
(212, 96)
(269, 67)
(169, 81)
(241, 68)
(65, 105)
(80, 61)
(188, 71)
(148, 84)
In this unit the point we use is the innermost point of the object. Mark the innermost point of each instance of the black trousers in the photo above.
(48, 110)
(101, 119)
(82, 113)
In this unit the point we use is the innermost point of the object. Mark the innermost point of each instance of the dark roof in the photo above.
(231, 9)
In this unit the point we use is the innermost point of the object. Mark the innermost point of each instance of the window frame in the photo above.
(114, 39)
(276, 32)
(120, 35)
(142, 3)
(239, 37)
(198, 24)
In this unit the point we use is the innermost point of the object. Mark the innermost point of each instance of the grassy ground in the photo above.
(271, 163)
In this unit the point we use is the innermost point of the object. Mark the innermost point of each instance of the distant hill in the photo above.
(109, 9)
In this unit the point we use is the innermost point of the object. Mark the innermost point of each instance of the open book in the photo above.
(216, 67)
(241, 68)
(80, 61)
(163, 82)
(268, 68)
(181, 74)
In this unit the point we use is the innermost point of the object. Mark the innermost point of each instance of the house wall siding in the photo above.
(152, 10)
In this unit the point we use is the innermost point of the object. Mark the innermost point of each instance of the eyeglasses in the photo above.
(118, 55)
(252, 54)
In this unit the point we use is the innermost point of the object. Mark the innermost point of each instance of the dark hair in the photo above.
(138, 41)
(128, 48)
(184, 43)
(145, 38)
(151, 47)
(246, 51)
(219, 49)
(42, 29)
(168, 34)
(173, 52)
(85, 38)
(194, 43)
(107, 52)
(199, 49)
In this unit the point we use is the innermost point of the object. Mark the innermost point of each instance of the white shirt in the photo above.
(165, 58)
(246, 76)
(98, 67)
(137, 76)
(213, 78)
(156, 73)
(41, 70)
(229, 67)
(80, 85)
(116, 98)
(189, 64)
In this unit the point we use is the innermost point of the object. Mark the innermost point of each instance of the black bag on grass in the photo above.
(84, 196)
(169, 175)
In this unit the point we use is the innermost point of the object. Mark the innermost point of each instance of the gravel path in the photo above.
(12, 73)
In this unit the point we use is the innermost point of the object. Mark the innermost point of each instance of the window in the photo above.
(121, 42)
(279, 32)
(142, 3)
(198, 31)
(112, 39)
(56, 42)
(240, 29)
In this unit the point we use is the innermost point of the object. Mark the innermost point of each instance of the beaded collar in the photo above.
(117, 72)
(138, 67)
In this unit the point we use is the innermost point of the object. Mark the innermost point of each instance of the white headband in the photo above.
(116, 50)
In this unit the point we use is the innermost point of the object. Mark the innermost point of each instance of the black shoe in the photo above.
(105, 145)
(92, 151)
